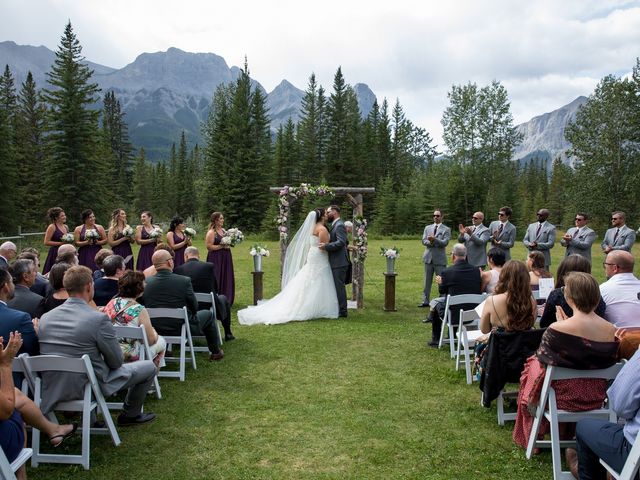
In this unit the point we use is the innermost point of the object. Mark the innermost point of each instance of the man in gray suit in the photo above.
(579, 239)
(503, 232)
(435, 238)
(475, 239)
(8, 251)
(338, 256)
(620, 237)
(24, 275)
(541, 236)
(74, 329)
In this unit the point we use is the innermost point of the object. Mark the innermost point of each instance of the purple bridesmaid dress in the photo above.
(124, 250)
(53, 251)
(87, 254)
(145, 253)
(224, 270)
(179, 253)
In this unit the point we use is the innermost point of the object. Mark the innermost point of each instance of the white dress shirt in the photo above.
(620, 294)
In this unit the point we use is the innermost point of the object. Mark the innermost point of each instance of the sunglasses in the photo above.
(437, 216)
(579, 219)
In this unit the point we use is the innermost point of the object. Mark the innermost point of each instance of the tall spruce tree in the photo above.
(142, 184)
(75, 173)
(9, 216)
(311, 133)
(116, 131)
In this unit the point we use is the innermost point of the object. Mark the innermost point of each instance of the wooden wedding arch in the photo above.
(354, 196)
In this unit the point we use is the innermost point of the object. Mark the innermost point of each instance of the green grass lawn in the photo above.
(354, 398)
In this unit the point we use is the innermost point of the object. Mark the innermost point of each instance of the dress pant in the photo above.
(203, 325)
(339, 275)
(139, 383)
(429, 270)
(598, 439)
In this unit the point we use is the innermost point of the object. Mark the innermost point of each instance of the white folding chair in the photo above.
(630, 468)
(8, 470)
(184, 339)
(139, 333)
(18, 366)
(92, 400)
(467, 334)
(555, 416)
(447, 321)
(207, 298)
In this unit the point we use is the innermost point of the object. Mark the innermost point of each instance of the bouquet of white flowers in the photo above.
(156, 233)
(67, 238)
(232, 237)
(128, 231)
(260, 250)
(92, 234)
(189, 232)
(390, 252)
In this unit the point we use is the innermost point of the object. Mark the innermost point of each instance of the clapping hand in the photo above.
(9, 352)
(438, 279)
(560, 315)
(461, 228)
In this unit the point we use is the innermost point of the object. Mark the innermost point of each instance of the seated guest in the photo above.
(167, 290)
(16, 408)
(458, 279)
(599, 439)
(99, 259)
(620, 291)
(571, 263)
(511, 307)
(12, 320)
(75, 329)
(535, 264)
(8, 251)
(106, 288)
(583, 341)
(496, 260)
(125, 310)
(67, 253)
(24, 275)
(57, 294)
(203, 280)
(41, 284)
(150, 271)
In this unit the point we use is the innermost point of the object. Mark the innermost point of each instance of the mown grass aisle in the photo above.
(361, 397)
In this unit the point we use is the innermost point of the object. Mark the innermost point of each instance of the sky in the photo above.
(546, 53)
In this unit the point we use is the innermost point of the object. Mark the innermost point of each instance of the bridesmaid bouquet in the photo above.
(92, 235)
(189, 232)
(260, 250)
(128, 231)
(232, 237)
(67, 238)
(390, 252)
(156, 233)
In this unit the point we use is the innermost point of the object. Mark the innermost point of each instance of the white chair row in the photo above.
(449, 322)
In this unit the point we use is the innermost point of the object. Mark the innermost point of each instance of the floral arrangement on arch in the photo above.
(360, 238)
(284, 203)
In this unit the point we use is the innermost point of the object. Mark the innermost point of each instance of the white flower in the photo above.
(127, 231)
(156, 233)
(190, 232)
(67, 238)
(253, 252)
(91, 233)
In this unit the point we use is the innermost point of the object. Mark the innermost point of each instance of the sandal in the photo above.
(63, 437)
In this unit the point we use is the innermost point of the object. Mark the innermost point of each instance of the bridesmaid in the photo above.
(89, 247)
(53, 235)
(178, 240)
(220, 256)
(120, 244)
(146, 242)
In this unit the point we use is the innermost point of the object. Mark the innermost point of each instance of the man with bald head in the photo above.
(67, 253)
(8, 251)
(541, 236)
(475, 238)
(168, 290)
(620, 292)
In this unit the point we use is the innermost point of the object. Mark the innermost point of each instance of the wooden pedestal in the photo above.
(258, 290)
(390, 292)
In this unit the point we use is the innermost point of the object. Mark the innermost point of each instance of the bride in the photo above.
(307, 289)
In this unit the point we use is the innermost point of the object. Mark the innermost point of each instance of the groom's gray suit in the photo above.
(339, 261)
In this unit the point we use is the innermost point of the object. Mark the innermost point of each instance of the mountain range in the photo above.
(164, 93)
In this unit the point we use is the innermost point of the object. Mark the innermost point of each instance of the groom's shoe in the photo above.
(343, 315)
(424, 305)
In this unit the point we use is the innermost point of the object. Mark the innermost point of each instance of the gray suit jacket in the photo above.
(434, 253)
(72, 330)
(476, 244)
(580, 245)
(27, 301)
(337, 246)
(507, 238)
(545, 239)
(625, 240)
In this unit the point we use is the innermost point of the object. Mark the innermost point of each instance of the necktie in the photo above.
(538, 230)
(435, 230)
(616, 235)
(575, 234)
(500, 229)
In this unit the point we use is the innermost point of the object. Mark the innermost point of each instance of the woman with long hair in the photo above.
(53, 235)
(220, 256)
(89, 237)
(119, 242)
(178, 240)
(146, 240)
(511, 307)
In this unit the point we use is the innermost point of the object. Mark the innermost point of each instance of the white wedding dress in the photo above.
(310, 293)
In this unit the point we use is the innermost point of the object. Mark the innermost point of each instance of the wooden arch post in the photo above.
(354, 196)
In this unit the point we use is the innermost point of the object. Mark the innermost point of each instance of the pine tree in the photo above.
(337, 127)
(310, 134)
(74, 174)
(9, 216)
(117, 132)
(142, 178)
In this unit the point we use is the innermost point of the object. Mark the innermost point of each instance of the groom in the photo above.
(338, 259)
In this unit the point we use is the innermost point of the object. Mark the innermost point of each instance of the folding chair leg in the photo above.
(86, 428)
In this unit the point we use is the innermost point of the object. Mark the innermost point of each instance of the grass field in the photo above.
(355, 398)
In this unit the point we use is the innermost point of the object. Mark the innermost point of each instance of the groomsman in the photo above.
(620, 237)
(475, 239)
(579, 239)
(503, 232)
(541, 236)
(435, 238)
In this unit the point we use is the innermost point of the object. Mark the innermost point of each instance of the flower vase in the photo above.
(257, 263)
(391, 264)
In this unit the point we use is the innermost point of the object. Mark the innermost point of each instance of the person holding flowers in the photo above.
(89, 237)
(121, 236)
(178, 239)
(219, 245)
(147, 236)
(57, 234)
